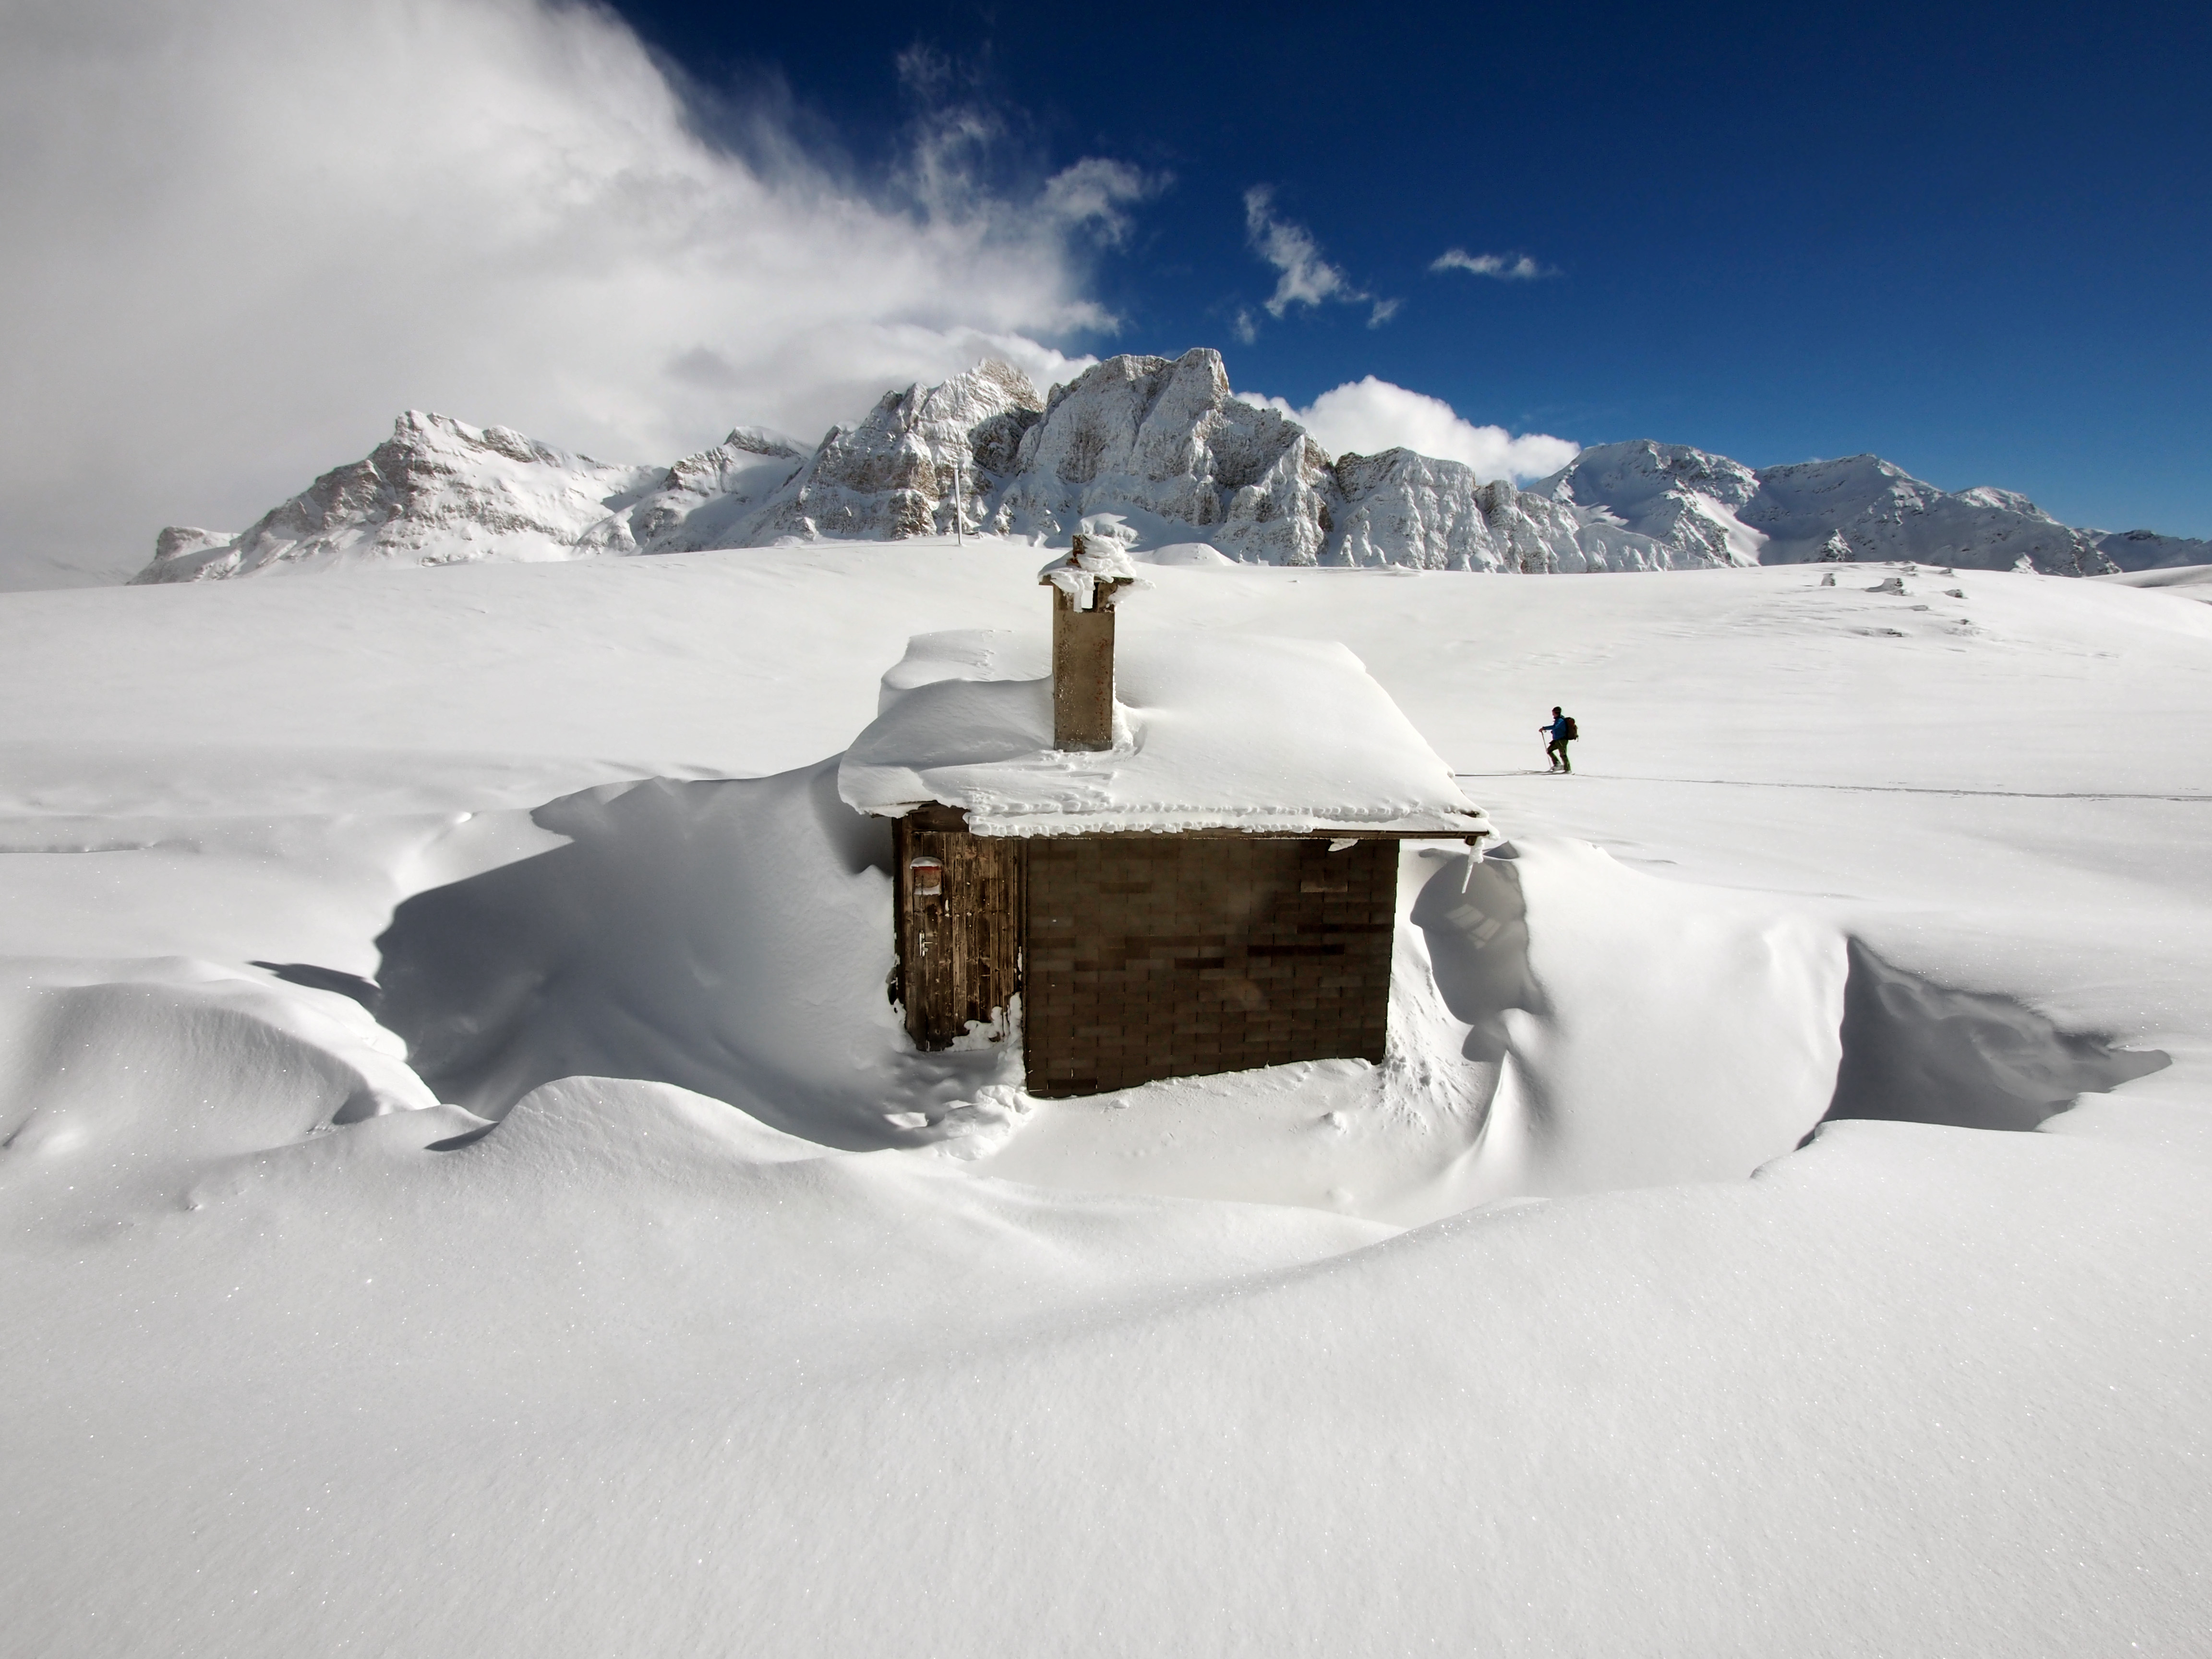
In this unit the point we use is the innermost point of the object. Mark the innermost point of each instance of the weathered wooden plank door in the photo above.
(960, 908)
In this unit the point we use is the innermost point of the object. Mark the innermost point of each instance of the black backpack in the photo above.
(1572, 731)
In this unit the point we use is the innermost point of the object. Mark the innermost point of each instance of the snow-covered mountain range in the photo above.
(1158, 451)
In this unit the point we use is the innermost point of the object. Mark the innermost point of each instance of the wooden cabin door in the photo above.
(960, 908)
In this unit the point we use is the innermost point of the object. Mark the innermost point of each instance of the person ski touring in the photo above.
(1562, 730)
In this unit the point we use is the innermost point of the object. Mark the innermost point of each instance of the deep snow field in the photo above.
(348, 1307)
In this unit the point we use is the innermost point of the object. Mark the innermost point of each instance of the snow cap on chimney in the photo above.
(1086, 584)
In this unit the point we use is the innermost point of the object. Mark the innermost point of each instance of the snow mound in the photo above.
(1193, 555)
(701, 934)
(1559, 1024)
(2183, 581)
(1659, 1032)
(582, 1131)
(133, 1075)
(1923, 1052)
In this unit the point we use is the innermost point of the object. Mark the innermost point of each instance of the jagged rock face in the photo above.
(1625, 475)
(710, 498)
(180, 545)
(435, 492)
(1162, 446)
(895, 474)
(1708, 509)
(1150, 436)
(1683, 502)
(1880, 511)
(1399, 507)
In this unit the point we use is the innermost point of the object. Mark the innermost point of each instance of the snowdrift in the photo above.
(1560, 1024)
(553, 1248)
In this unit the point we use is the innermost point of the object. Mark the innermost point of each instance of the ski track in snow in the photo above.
(1853, 788)
(350, 1310)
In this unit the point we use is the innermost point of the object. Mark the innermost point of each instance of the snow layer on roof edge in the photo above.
(1219, 730)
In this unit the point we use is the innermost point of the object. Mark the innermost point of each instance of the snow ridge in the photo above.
(1165, 447)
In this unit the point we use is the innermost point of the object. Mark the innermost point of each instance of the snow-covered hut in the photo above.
(1175, 858)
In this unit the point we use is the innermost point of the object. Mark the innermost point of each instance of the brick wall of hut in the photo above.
(1170, 955)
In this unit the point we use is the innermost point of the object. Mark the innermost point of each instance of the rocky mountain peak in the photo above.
(1618, 474)
(1165, 440)
(897, 473)
(438, 491)
(1161, 447)
(1678, 497)
(759, 440)
(2008, 500)
(1876, 511)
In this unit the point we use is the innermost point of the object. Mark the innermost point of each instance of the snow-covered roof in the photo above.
(1212, 732)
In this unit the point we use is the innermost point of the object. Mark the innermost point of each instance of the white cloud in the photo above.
(1370, 416)
(243, 236)
(1303, 277)
(1306, 278)
(1095, 192)
(1519, 268)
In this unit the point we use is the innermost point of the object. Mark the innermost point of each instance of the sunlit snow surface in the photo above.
(1499, 1348)
(1212, 731)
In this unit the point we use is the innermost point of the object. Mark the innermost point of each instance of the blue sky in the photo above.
(247, 233)
(1974, 240)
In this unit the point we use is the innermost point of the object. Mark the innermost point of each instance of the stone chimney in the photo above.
(1085, 587)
